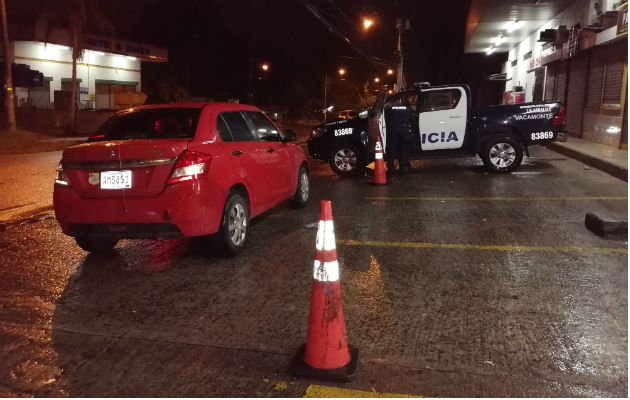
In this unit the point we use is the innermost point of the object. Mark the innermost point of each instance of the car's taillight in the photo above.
(559, 118)
(190, 165)
(317, 132)
(62, 178)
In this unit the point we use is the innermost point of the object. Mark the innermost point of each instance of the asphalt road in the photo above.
(455, 283)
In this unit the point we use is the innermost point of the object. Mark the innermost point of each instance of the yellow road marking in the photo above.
(500, 198)
(329, 392)
(421, 245)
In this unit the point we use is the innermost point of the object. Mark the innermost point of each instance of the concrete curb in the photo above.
(603, 165)
(27, 214)
(605, 224)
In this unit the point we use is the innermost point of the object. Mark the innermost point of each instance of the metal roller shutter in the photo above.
(561, 82)
(624, 125)
(614, 76)
(576, 91)
(539, 80)
(595, 80)
(550, 83)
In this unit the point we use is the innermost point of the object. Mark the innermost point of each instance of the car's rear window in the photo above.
(156, 123)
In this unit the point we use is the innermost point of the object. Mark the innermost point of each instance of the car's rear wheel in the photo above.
(302, 191)
(232, 235)
(346, 160)
(96, 245)
(502, 155)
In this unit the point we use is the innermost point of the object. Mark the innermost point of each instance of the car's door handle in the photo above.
(270, 150)
(237, 153)
(455, 116)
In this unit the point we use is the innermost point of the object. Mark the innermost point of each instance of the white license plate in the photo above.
(115, 179)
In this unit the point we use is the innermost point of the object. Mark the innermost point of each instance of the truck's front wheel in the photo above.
(346, 160)
(502, 155)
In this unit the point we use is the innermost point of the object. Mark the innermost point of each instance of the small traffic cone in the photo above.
(326, 354)
(380, 177)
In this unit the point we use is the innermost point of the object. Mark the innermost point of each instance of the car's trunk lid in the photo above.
(131, 168)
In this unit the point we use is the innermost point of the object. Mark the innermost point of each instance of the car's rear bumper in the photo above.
(185, 209)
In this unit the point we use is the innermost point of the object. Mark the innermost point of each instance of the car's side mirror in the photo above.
(289, 135)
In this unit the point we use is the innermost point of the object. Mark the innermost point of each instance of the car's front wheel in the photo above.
(232, 235)
(302, 190)
(346, 160)
(502, 155)
(96, 245)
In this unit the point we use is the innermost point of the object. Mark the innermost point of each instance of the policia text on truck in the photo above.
(445, 126)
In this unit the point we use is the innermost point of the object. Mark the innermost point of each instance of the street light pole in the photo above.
(400, 25)
(325, 86)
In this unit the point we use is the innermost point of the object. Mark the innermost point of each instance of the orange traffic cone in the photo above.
(326, 354)
(380, 178)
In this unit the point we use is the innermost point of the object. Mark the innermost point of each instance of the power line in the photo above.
(375, 61)
(340, 10)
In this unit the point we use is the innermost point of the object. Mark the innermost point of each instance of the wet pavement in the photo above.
(27, 183)
(455, 283)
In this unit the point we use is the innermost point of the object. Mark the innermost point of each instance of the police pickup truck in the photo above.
(443, 125)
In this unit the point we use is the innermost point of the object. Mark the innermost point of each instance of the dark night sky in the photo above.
(212, 42)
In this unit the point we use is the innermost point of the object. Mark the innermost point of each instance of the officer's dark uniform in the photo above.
(400, 120)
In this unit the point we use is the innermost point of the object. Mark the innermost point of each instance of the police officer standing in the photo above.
(400, 122)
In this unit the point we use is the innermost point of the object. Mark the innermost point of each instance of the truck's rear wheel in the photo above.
(346, 160)
(502, 155)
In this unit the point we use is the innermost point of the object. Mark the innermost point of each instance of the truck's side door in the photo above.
(443, 116)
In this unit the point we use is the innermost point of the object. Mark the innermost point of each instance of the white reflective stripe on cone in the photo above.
(325, 236)
(378, 156)
(378, 146)
(326, 271)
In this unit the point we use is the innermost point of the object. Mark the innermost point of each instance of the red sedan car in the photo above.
(178, 170)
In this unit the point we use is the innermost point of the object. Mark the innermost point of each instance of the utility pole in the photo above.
(325, 86)
(250, 84)
(9, 99)
(401, 26)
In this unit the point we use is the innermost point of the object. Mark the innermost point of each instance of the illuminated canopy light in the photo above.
(130, 58)
(490, 50)
(512, 25)
(367, 23)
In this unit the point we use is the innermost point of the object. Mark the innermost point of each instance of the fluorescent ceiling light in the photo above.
(130, 58)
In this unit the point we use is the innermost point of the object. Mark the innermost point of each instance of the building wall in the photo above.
(56, 62)
(578, 12)
(562, 78)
